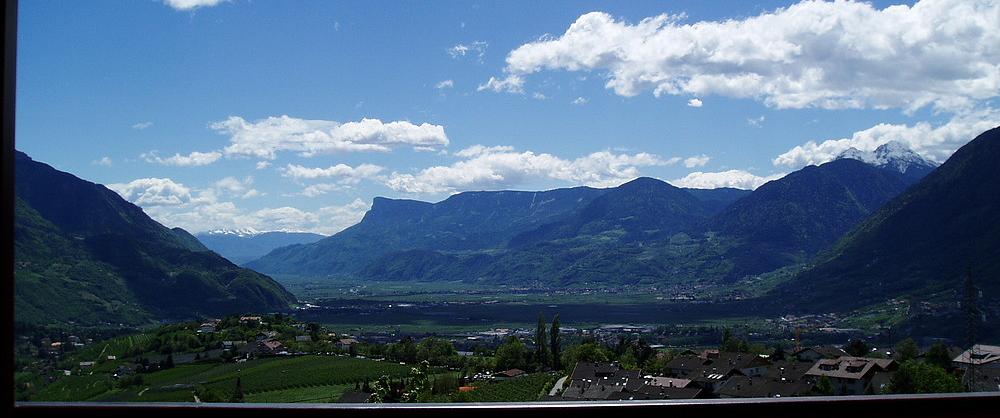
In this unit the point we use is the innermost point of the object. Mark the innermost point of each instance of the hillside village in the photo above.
(607, 364)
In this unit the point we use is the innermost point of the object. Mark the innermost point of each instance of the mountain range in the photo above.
(245, 244)
(85, 256)
(644, 231)
(866, 227)
(923, 242)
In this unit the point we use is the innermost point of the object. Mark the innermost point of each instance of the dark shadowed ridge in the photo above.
(790, 219)
(84, 254)
(920, 243)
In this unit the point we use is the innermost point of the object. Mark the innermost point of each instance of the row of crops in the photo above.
(307, 371)
(292, 375)
(524, 389)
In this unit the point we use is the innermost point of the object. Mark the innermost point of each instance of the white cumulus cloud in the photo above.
(174, 204)
(191, 4)
(694, 102)
(265, 138)
(832, 55)
(153, 192)
(935, 143)
(343, 171)
(739, 179)
(696, 161)
(445, 84)
(193, 159)
(502, 167)
(233, 187)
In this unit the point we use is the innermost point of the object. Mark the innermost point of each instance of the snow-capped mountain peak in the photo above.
(900, 157)
(894, 155)
(856, 154)
(240, 232)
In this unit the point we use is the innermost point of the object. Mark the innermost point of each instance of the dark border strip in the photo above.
(926, 405)
(7, 195)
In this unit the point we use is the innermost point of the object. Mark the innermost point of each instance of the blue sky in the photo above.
(293, 115)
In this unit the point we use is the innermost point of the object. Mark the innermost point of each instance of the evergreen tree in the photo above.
(555, 343)
(824, 386)
(733, 344)
(907, 350)
(778, 354)
(938, 355)
(541, 351)
(857, 348)
(238, 393)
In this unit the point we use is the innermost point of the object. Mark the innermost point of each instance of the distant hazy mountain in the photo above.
(465, 221)
(242, 245)
(921, 242)
(644, 231)
(84, 255)
(615, 235)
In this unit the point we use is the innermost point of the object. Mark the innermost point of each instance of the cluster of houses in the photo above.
(981, 367)
(715, 374)
(608, 381)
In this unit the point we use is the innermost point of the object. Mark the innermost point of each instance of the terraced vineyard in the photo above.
(524, 389)
(307, 371)
(119, 347)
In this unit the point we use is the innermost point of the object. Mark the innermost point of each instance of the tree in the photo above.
(733, 344)
(589, 352)
(857, 348)
(238, 392)
(938, 355)
(313, 331)
(510, 355)
(778, 354)
(555, 342)
(628, 360)
(435, 350)
(541, 351)
(658, 364)
(917, 377)
(382, 391)
(824, 386)
(417, 385)
(169, 362)
(907, 350)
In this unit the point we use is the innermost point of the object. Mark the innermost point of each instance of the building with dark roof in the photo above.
(850, 375)
(980, 355)
(812, 354)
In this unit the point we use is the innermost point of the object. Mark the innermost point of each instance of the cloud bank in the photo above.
(831, 55)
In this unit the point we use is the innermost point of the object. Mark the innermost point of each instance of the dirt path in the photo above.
(556, 387)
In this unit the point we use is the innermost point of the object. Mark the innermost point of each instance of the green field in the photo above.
(523, 389)
(281, 379)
